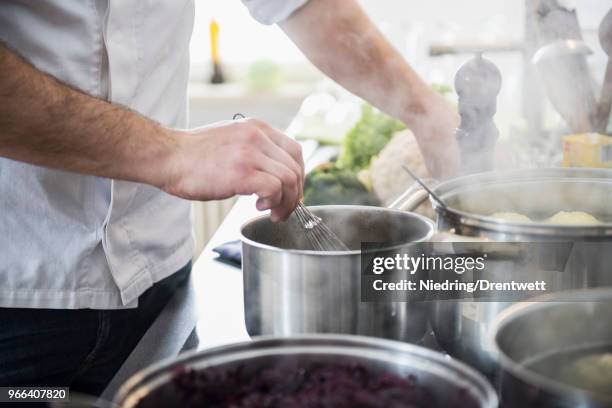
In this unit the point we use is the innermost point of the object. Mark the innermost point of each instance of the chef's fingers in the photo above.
(283, 141)
(273, 151)
(266, 186)
(292, 147)
(260, 136)
(275, 211)
(290, 182)
(290, 190)
(263, 204)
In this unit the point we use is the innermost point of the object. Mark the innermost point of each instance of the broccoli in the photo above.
(329, 184)
(367, 138)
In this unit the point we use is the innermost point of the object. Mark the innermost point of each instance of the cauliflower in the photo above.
(388, 179)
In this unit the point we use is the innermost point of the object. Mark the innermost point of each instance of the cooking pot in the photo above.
(539, 343)
(289, 289)
(449, 380)
(580, 253)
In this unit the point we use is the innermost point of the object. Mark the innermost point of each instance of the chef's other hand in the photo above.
(434, 129)
(240, 157)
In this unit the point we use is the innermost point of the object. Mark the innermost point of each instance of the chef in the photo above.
(96, 169)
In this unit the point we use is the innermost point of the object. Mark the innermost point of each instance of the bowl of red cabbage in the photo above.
(310, 371)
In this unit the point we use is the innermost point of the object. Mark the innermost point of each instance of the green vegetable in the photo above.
(264, 75)
(367, 138)
(329, 184)
(339, 183)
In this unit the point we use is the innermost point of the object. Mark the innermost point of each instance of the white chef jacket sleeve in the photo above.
(272, 11)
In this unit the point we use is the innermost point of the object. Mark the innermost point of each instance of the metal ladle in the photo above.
(426, 187)
(562, 48)
(605, 102)
(564, 72)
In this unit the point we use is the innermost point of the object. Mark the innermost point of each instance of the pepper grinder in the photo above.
(477, 84)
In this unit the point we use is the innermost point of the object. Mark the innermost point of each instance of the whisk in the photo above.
(320, 237)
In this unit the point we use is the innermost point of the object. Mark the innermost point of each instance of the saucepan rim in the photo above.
(518, 370)
(425, 360)
(426, 221)
(463, 184)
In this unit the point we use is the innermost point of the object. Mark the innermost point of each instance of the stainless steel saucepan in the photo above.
(583, 252)
(449, 382)
(291, 290)
(556, 351)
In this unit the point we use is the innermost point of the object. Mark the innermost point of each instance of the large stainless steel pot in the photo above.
(288, 290)
(546, 330)
(583, 252)
(449, 380)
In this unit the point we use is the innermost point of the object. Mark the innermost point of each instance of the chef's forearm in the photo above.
(47, 123)
(338, 37)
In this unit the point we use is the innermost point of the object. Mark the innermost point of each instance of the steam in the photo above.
(477, 84)
(538, 194)
(353, 225)
(366, 64)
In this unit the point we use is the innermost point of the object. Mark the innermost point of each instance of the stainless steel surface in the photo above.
(78, 400)
(321, 238)
(289, 290)
(538, 193)
(561, 48)
(582, 252)
(605, 101)
(425, 186)
(437, 372)
(413, 196)
(561, 59)
(562, 322)
(566, 77)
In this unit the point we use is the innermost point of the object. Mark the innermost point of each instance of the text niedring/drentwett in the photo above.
(470, 287)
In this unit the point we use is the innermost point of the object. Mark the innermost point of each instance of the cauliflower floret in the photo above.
(388, 179)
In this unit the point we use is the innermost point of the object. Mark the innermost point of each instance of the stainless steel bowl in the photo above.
(583, 253)
(522, 334)
(289, 290)
(448, 379)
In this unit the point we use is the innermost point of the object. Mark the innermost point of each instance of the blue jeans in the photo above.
(81, 349)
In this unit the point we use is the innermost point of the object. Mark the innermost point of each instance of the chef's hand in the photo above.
(434, 129)
(238, 158)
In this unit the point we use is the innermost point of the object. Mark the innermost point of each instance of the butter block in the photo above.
(587, 150)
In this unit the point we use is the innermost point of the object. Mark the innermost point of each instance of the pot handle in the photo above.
(414, 196)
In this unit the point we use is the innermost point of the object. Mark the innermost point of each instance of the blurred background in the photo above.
(266, 76)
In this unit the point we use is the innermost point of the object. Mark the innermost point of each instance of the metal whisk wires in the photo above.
(320, 237)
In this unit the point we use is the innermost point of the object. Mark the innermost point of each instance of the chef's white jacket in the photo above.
(69, 241)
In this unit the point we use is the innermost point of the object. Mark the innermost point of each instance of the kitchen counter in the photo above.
(218, 286)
